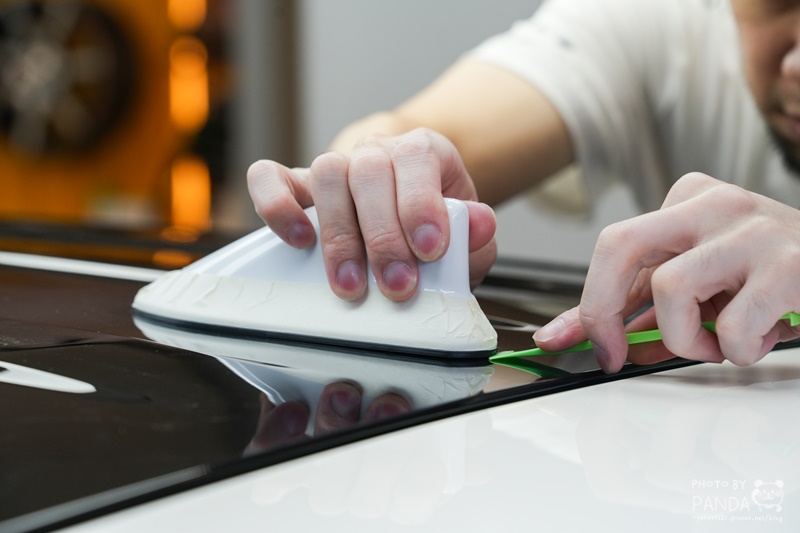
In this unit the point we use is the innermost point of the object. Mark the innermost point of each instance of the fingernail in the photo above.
(350, 276)
(428, 242)
(398, 277)
(550, 330)
(389, 410)
(389, 407)
(603, 359)
(292, 419)
(345, 401)
(300, 235)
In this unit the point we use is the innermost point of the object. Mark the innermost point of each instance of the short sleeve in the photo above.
(591, 59)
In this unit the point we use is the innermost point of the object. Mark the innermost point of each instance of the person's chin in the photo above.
(789, 150)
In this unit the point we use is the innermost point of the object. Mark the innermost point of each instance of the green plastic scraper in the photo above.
(636, 337)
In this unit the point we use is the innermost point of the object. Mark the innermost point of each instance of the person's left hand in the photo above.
(714, 251)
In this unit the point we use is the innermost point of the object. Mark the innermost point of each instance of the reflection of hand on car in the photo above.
(338, 407)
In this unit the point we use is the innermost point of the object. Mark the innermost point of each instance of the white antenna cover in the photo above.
(261, 284)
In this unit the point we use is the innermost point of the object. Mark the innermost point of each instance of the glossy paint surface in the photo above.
(201, 432)
(109, 417)
(702, 448)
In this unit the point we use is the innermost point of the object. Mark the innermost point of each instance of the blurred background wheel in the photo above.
(65, 75)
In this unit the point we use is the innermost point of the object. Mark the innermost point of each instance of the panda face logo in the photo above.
(768, 495)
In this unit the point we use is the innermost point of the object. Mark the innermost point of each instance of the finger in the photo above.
(338, 407)
(278, 425)
(340, 235)
(480, 261)
(619, 269)
(647, 318)
(420, 204)
(682, 284)
(482, 225)
(561, 333)
(372, 186)
(749, 326)
(652, 352)
(279, 195)
(482, 244)
(428, 167)
(385, 406)
(566, 330)
(689, 186)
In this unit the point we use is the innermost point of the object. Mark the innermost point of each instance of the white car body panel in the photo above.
(701, 448)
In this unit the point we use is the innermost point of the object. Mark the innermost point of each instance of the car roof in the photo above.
(161, 390)
(700, 448)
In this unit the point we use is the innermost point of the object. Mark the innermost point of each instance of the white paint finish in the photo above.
(666, 452)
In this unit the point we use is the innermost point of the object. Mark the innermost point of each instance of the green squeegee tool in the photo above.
(636, 337)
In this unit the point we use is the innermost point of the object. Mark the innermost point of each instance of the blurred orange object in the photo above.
(90, 116)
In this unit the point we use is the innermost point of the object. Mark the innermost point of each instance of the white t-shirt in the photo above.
(650, 90)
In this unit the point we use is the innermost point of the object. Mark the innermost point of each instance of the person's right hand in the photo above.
(382, 203)
(714, 251)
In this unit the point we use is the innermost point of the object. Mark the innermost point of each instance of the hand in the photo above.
(338, 407)
(712, 252)
(383, 203)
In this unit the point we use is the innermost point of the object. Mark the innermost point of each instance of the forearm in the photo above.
(508, 134)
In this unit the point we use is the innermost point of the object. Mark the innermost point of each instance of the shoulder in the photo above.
(636, 29)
